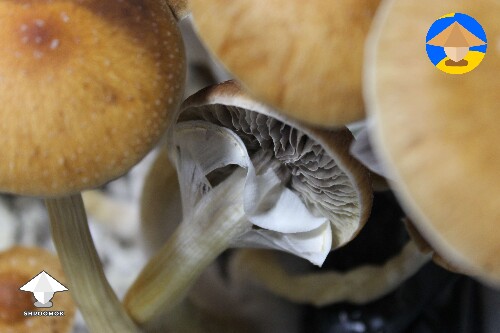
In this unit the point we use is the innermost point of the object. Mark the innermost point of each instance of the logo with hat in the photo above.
(43, 286)
(456, 43)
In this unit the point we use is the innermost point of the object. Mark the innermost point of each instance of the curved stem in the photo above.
(216, 222)
(359, 285)
(99, 305)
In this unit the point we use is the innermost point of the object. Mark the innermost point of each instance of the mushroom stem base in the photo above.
(99, 305)
(216, 222)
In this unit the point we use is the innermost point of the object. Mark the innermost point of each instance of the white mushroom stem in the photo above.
(216, 218)
(215, 223)
(359, 285)
(99, 305)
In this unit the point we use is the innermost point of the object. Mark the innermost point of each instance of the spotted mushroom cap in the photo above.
(18, 266)
(322, 172)
(437, 133)
(303, 59)
(87, 88)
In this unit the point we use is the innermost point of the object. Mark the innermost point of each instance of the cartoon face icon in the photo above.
(456, 43)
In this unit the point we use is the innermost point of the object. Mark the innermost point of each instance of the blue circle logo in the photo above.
(456, 43)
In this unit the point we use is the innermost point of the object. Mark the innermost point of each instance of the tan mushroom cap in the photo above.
(303, 58)
(87, 87)
(18, 266)
(424, 247)
(438, 133)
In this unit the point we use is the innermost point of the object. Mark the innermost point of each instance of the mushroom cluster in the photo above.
(250, 177)
(261, 161)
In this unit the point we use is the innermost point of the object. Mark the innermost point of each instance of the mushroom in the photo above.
(19, 265)
(436, 133)
(304, 60)
(222, 298)
(161, 213)
(250, 177)
(88, 88)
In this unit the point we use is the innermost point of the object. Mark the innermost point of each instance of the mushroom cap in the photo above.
(303, 59)
(87, 89)
(326, 177)
(19, 265)
(438, 133)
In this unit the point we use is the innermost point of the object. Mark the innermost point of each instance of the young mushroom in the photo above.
(88, 88)
(18, 265)
(436, 133)
(250, 177)
(303, 59)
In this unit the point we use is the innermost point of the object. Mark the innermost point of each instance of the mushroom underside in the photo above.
(313, 174)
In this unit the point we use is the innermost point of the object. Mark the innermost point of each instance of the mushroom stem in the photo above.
(217, 221)
(359, 285)
(99, 305)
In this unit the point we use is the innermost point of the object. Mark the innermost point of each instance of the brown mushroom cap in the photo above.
(438, 133)
(87, 87)
(303, 58)
(19, 265)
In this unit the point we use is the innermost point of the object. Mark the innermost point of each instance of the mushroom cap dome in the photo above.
(87, 88)
(303, 58)
(438, 133)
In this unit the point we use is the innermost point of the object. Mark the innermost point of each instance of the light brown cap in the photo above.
(87, 88)
(302, 57)
(438, 133)
(423, 246)
(18, 266)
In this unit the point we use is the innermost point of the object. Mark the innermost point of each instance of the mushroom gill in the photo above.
(321, 174)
